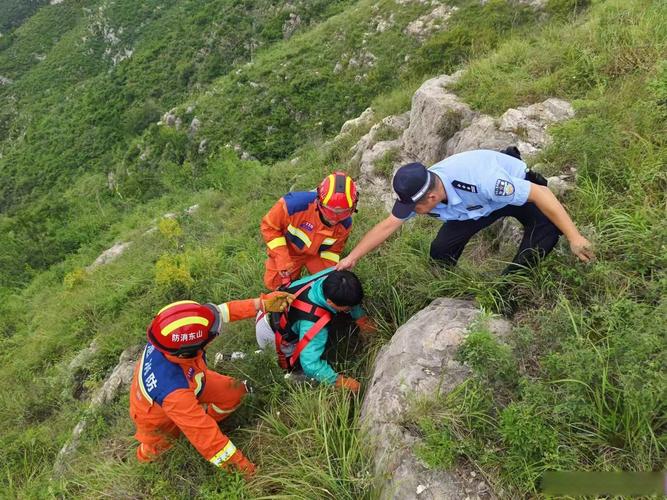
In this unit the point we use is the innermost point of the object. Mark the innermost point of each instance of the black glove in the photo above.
(536, 178)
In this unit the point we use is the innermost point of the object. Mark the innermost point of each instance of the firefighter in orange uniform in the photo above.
(308, 229)
(174, 392)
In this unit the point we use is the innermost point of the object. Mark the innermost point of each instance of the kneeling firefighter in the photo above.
(299, 333)
(174, 392)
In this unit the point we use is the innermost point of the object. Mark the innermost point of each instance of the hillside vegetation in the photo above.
(84, 164)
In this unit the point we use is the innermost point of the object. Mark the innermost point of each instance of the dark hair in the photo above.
(343, 288)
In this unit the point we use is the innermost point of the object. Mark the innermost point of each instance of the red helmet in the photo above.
(337, 197)
(184, 327)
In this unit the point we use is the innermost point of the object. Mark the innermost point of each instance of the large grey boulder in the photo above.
(482, 133)
(525, 127)
(435, 116)
(418, 362)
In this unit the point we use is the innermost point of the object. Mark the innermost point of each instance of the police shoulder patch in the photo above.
(504, 188)
(464, 186)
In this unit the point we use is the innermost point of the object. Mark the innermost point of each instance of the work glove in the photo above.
(366, 325)
(348, 383)
(242, 464)
(275, 301)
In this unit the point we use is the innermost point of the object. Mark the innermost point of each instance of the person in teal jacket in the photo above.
(301, 332)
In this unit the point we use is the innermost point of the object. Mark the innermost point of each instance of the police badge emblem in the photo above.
(504, 188)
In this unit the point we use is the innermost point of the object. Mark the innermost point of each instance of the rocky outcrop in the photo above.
(436, 114)
(382, 142)
(290, 25)
(120, 378)
(363, 119)
(422, 27)
(525, 127)
(418, 362)
(440, 124)
(109, 255)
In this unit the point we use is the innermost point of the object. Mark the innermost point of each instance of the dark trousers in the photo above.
(539, 236)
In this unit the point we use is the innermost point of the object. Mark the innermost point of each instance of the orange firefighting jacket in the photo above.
(293, 228)
(168, 386)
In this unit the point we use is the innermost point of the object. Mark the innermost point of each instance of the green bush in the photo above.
(172, 276)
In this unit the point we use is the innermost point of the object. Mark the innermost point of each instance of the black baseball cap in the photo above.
(410, 183)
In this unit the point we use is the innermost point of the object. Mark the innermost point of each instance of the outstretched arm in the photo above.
(552, 208)
(373, 239)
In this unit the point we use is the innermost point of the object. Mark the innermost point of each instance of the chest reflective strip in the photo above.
(140, 376)
(223, 455)
(295, 231)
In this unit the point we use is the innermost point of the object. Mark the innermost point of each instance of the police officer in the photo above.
(469, 191)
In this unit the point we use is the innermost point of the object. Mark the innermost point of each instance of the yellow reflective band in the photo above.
(348, 190)
(176, 304)
(278, 242)
(224, 454)
(299, 234)
(224, 312)
(198, 378)
(330, 256)
(330, 192)
(221, 411)
(197, 320)
(141, 379)
(329, 241)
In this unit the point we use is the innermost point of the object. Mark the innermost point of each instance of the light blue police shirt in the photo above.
(479, 182)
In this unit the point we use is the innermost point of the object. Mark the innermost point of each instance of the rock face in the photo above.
(440, 124)
(109, 255)
(363, 119)
(419, 361)
(291, 25)
(423, 26)
(119, 379)
(525, 127)
(436, 114)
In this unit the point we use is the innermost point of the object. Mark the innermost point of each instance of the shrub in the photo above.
(172, 275)
(74, 278)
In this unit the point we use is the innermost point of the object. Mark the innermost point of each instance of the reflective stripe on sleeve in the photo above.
(277, 242)
(224, 312)
(223, 455)
(219, 410)
(333, 257)
(329, 241)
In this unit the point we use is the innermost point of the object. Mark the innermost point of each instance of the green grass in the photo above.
(580, 384)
